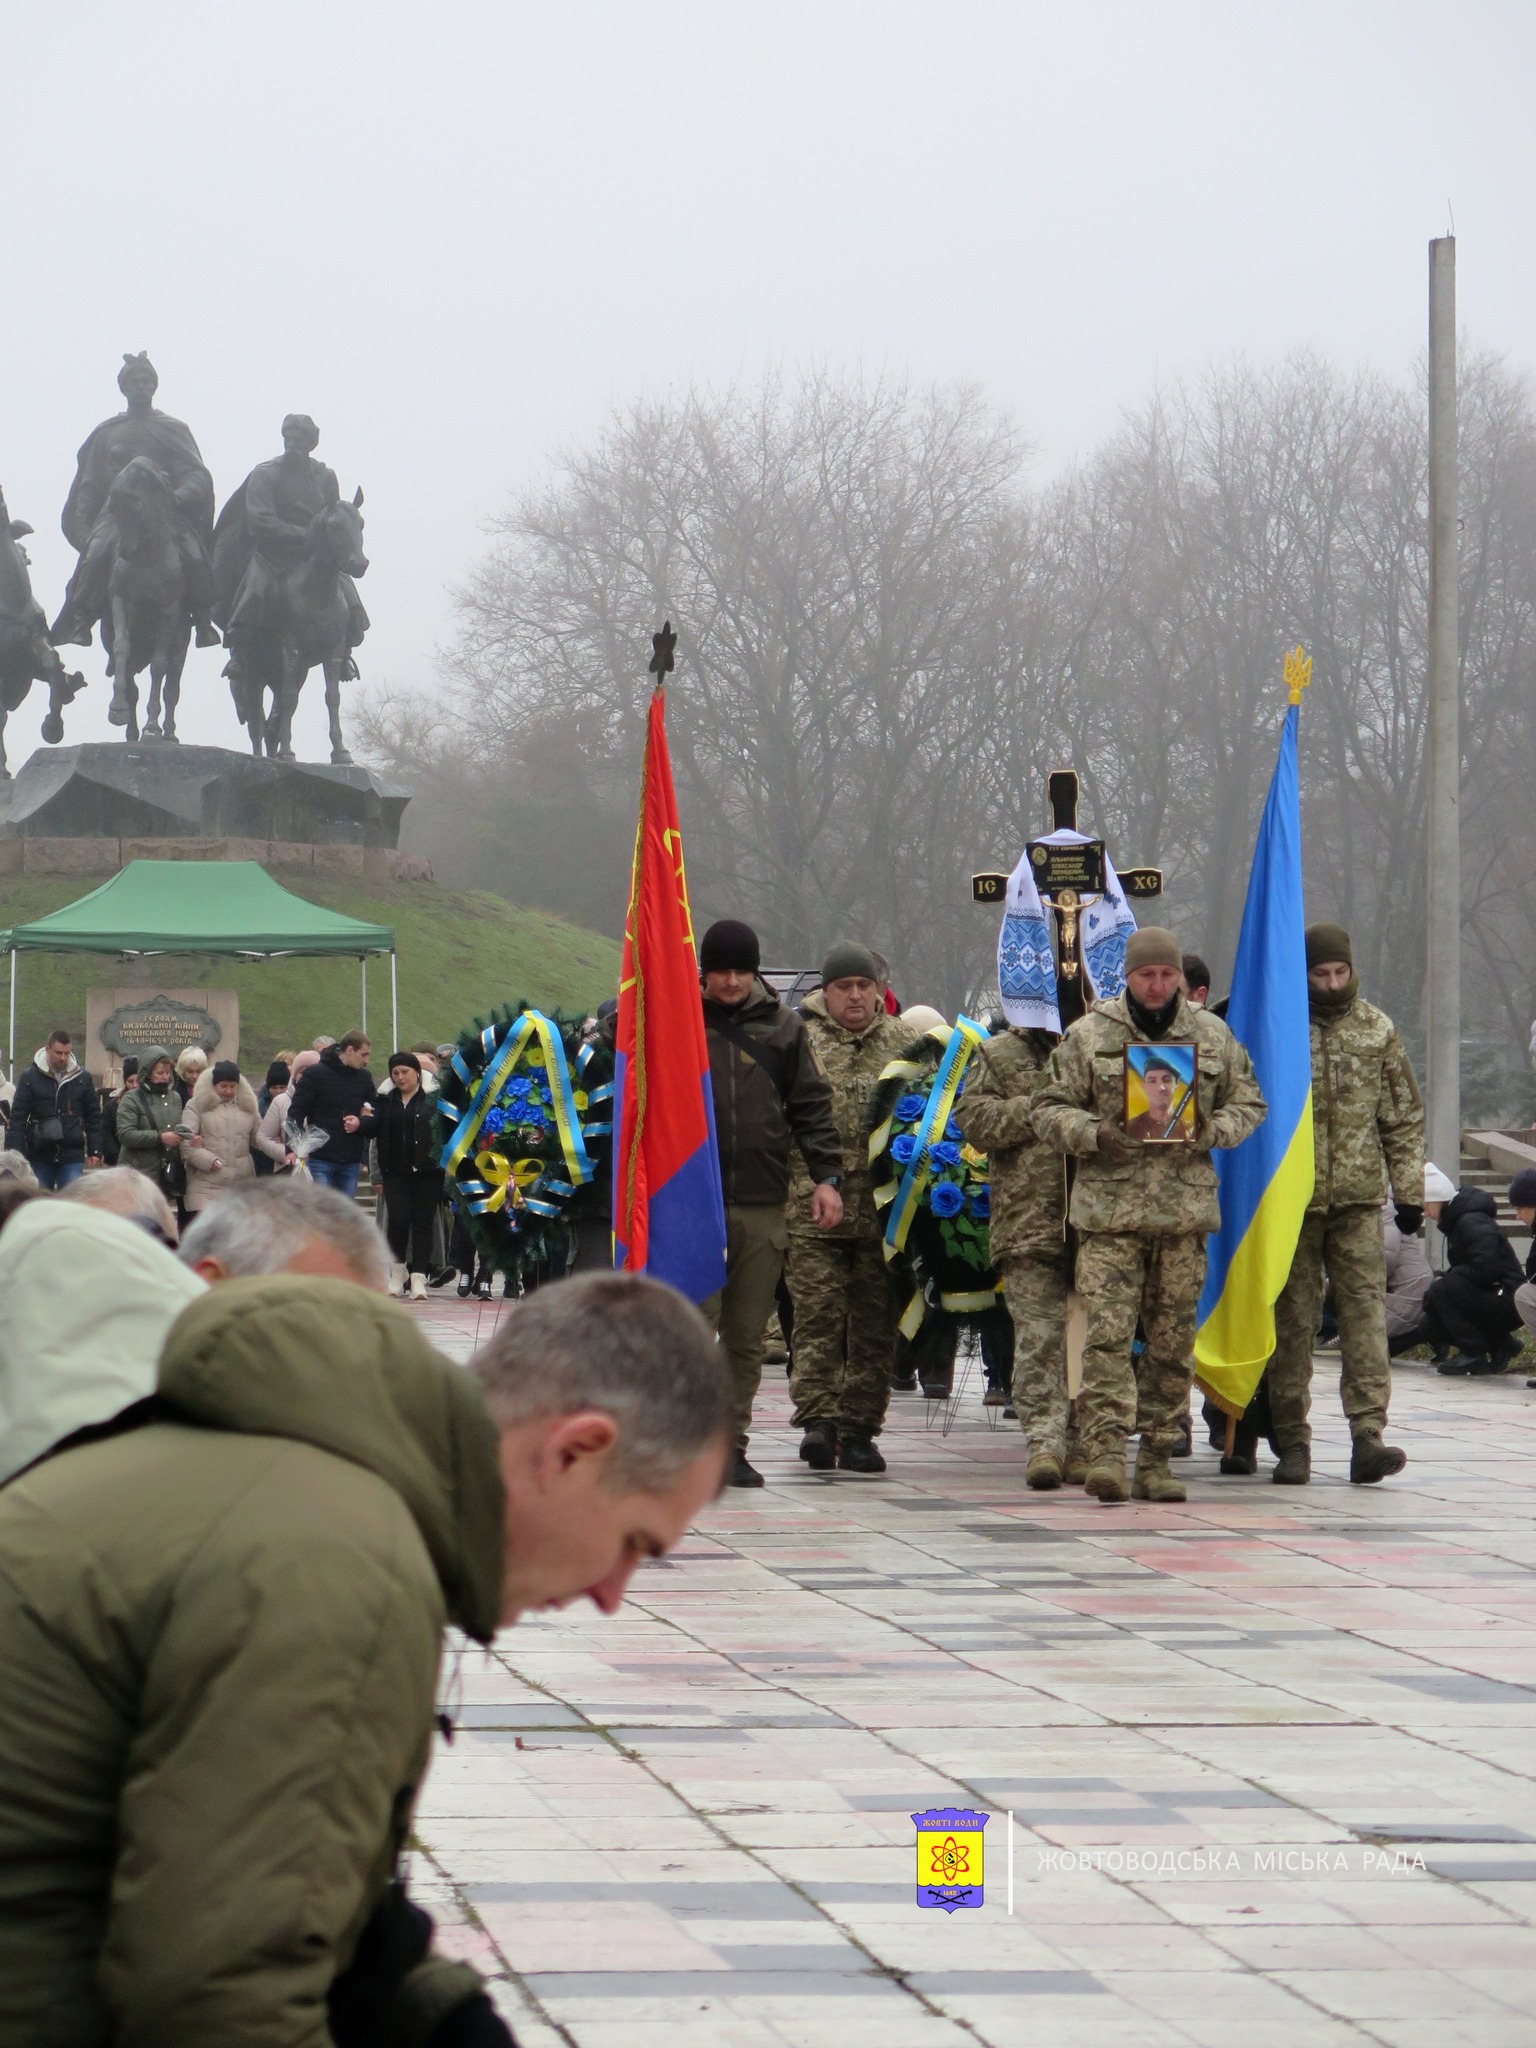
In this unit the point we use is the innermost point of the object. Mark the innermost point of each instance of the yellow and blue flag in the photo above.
(1266, 1182)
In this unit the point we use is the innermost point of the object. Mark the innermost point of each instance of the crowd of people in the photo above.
(1083, 1209)
(241, 1495)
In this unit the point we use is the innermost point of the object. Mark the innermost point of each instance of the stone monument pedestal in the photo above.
(93, 808)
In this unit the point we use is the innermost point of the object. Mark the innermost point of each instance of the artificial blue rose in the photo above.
(496, 1120)
(904, 1149)
(945, 1199)
(981, 1204)
(944, 1153)
(909, 1108)
(953, 1132)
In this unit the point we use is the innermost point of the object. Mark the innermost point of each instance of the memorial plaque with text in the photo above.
(1056, 868)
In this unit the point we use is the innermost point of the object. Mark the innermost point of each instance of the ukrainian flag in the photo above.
(1266, 1182)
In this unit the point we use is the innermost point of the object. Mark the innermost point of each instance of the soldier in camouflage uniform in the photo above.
(1142, 1212)
(1028, 1238)
(844, 1328)
(1367, 1126)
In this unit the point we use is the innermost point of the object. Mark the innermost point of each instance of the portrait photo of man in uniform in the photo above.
(1160, 1088)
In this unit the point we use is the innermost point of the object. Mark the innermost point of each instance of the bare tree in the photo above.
(886, 642)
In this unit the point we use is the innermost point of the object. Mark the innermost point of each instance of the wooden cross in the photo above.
(1071, 895)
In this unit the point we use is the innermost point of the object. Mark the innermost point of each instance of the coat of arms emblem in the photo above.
(949, 1856)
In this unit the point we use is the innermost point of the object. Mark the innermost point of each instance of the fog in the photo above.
(457, 235)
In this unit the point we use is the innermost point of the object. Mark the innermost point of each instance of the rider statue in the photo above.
(262, 534)
(88, 523)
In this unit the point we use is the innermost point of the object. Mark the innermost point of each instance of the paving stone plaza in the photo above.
(1270, 1756)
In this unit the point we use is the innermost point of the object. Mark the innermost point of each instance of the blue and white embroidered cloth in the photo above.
(1026, 965)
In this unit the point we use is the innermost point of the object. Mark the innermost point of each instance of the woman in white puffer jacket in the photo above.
(222, 1124)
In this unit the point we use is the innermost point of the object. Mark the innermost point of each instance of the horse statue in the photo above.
(26, 656)
(309, 616)
(148, 621)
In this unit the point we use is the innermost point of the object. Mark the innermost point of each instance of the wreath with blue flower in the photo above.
(947, 1247)
(512, 1189)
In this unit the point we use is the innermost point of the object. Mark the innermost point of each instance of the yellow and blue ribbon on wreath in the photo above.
(535, 1038)
(905, 1197)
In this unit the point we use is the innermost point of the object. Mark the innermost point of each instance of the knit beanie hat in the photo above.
(730, 946)
(277, 1076)
(1328, 942)
(1439, 1187)
(847, 960)
(1153, 946)
(402, 1059)
(130, 1065)
(225, 1070)
(1522, 1189)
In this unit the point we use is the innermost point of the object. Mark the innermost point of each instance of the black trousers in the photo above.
(410, 1211)
(1457, 1311)
(933, 1348)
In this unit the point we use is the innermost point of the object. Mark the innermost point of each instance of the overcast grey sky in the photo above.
(459, 233)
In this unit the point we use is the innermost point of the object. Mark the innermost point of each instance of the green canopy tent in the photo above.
(231, 907)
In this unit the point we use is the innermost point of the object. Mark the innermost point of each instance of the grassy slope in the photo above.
(459, 953)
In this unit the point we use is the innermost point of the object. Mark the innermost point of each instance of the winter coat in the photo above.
(221, 1633)
(996, 1113)
(73, 1356)
(853, 1064)
(71, 1098)
(409, 1135)
(1163, 1188)
(1469, 1223)
(1408, 1274)
(142, 1115)
(1367, 1113)
(764, 1103)
(324, 1095)
(109, 1146)
(227, 1131)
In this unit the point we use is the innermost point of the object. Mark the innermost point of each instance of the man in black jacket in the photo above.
(56, 1115)
(768, 1090)
(337, 1096)
(1472, 1303)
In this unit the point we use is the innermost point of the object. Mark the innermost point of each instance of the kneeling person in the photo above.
(1142, 1212)
(222, 1630)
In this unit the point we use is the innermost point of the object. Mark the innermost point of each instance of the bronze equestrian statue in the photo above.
(151, 586)
(25, 654)
(287, 549)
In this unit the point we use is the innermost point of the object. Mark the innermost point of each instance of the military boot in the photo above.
(858, 1454)
(1043, 1472)
(1105, 1479)
(1153, 1480)
(818, 1446)
(1371, 1459)
(1295, 1466)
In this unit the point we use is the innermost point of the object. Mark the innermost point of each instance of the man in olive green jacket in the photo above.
(1367, 1127)
(844, 1328)
(220, 1632)
(1142, 1211)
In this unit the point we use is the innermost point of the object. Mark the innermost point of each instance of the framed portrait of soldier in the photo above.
(1161, 1093)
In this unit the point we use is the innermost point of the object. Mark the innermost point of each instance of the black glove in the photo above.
(1115, 1145)
(1409, 1218)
